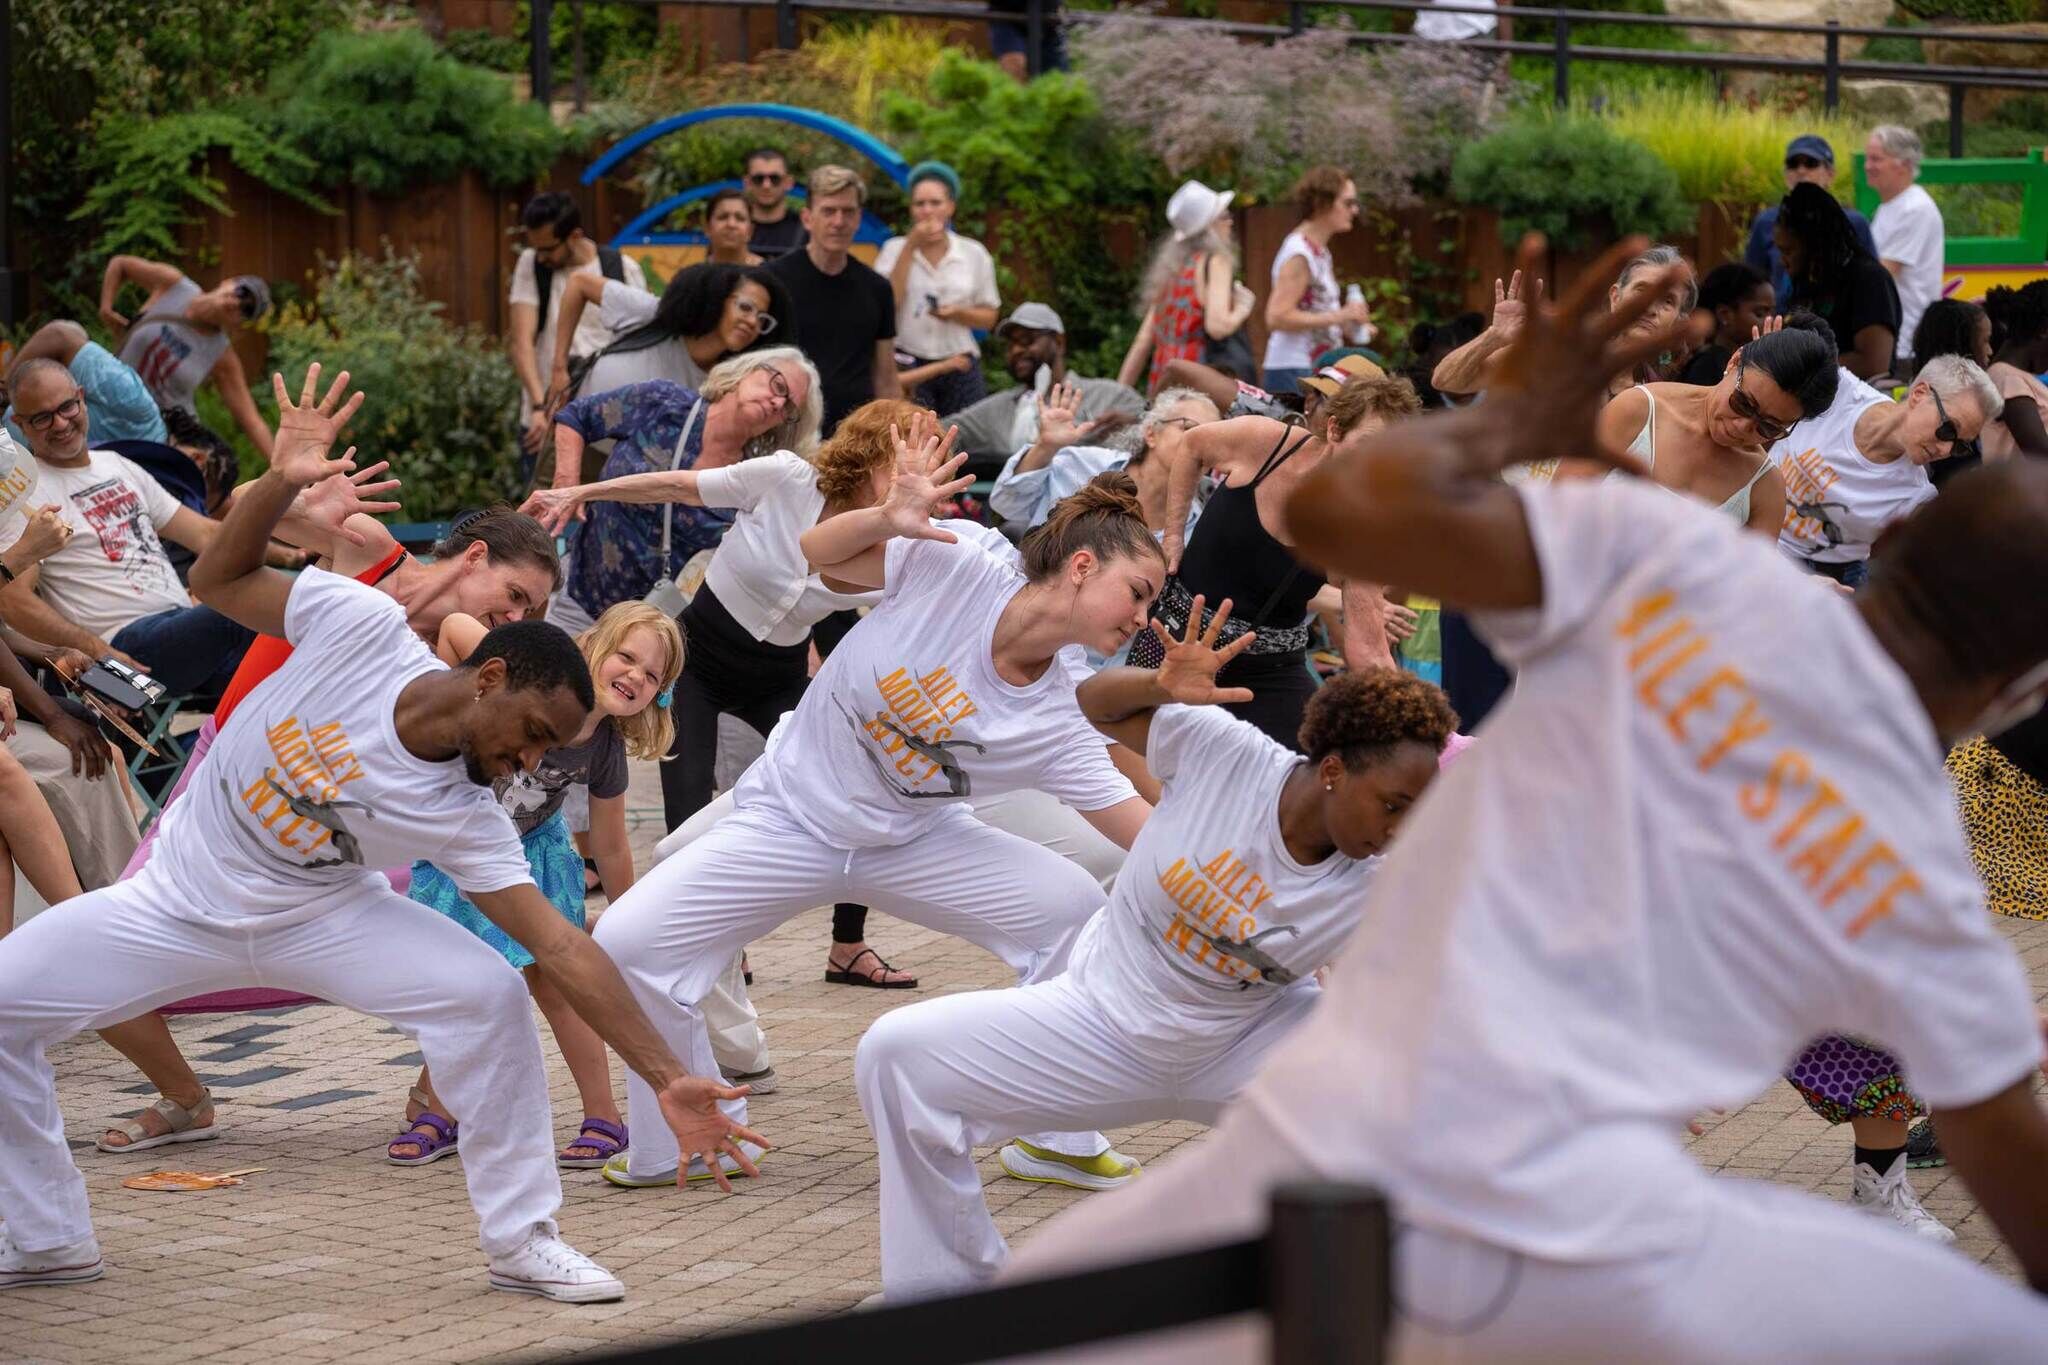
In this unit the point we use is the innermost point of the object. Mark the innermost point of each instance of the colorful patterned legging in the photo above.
(1841, 1079)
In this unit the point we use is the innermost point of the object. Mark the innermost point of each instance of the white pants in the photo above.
(941, 1077)
(1772, 1274)
(681, 924)
(737, 1043)
(1051, 823)
(111, 954)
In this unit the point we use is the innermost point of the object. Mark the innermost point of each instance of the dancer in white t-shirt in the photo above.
(1674, 860)
(362, 752)
(1246, 879)
(959, 684)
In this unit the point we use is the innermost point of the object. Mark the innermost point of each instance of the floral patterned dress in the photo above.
(615, 555)
(1177, 332)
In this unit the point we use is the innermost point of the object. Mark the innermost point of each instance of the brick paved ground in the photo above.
(333, 1253)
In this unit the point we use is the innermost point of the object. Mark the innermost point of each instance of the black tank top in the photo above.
(1232, 554)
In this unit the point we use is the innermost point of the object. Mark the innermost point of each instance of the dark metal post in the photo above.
(1561, 57)
(576, 46)
(1034, 36)
(11, 278)
(1297, 17)
(1955, 121)
(541, 65)
(785, 23)
(1831, 79)
(1330, 1287)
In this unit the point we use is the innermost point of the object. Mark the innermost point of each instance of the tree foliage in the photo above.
(1571, 179)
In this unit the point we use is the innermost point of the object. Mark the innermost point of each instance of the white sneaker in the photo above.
(1891, 1196)
(548, 1266)
(74, 1264)
(618, 1172)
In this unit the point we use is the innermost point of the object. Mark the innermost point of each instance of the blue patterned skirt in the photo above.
(557, 870)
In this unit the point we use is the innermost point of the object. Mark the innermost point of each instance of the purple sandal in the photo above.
(438, 1142)
(608, 1138)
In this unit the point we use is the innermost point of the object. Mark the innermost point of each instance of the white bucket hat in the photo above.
(1194, 206)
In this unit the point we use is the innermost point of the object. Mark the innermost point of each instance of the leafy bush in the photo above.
(1205, 104)
(1725, 151)
(439, 401)
(1970, 11)
(1571, 178)
(1603, 80)
(149, 175)
(388, 110)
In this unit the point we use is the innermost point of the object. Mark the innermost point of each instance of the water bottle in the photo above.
(1357, 333)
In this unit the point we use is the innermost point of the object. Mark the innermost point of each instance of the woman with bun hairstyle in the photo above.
(1247, 878)
(960, 683)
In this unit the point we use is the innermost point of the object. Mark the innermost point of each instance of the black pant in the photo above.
(1281, 686)
(726, 671)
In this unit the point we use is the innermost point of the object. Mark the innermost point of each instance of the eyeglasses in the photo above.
(768, 178)
(764, 321)
(1768, 428)
(779, 387)
(1184, 423)
(1803, 163)
(69, 410)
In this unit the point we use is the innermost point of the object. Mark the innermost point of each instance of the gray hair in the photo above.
(1903, 144)
(1657, 258)
(798, 429)
(1952, 376)
(1135, 440)
(1171, 257)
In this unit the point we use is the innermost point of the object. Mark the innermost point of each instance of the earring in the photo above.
(1329, 786)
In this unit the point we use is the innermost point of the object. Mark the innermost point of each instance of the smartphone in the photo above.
(135, 678)
(102, 682)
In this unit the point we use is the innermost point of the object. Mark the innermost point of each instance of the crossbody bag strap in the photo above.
(668, 510)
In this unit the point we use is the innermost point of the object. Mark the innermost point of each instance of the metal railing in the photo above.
(1040, 17)
(1322, 1274)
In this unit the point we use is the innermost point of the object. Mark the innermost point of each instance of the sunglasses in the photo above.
(768, 178)
(1947, 431)
(764, 321)
(69, 410)
(1768, 428)
(1803, 163)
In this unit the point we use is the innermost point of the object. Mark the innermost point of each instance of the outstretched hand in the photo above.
(309, 429)
(555, 508)
(1511, 306)
(1552, 379)
(690, 1105)
(1774, 323)
(336, 498)
(924, 479)
(1187, 673)
(1059, 424)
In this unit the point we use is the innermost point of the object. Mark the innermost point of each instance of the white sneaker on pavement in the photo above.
(1891, 1196)
(74, 1264)
(548, 1266)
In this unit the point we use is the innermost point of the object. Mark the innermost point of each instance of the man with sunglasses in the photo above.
(181, 338)
(777, 231)
(1862, 464)
(1808, 160)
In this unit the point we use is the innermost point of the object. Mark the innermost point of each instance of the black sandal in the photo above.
(876, 978)
(592, 882)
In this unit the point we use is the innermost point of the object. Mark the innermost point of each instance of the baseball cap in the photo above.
(1813, 145)
(1334, 376)
(1036, 317)
(253, 292)
(1194, 206)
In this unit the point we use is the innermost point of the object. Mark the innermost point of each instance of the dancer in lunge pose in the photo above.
(970, 656)
(634, 653)
(1247, 878)
(1672, 861)
(240, 891)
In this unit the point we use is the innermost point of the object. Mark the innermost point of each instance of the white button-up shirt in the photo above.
(759, 572)
(965, 276)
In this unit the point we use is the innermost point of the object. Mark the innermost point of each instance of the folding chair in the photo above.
(167, 764)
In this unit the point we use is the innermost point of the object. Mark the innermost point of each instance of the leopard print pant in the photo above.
(2005, 813)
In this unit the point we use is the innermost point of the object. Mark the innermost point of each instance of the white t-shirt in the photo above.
(965, 275)
(18, 479)
(113, 570)
(1696, 836)
(1908, 229)
(627, 308)
(759, 573)
(1298, 350)
(1444, 26)
(308, 792)
(1211, 916)
(1835, 500)
(908, 716)
(591, 332)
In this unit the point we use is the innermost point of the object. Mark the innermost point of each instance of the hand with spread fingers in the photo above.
(308, 429)
(1059, 424)
(1511, 305)
(336, 498)
(1550, 382)
(703, 1132)
(1187, 673)
(924, 479)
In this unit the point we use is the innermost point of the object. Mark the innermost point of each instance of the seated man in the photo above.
(1000, 424)
(116, 399)
(1058, 463)
(111, 589)
(181, 337)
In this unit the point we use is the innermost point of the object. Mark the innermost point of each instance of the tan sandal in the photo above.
(184, 1127)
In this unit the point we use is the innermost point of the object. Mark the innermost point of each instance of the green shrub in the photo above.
(1571, 179)
(150, 174)
(1726, 151)
(388, 110)
(439, 401)
(1970, 11)
(1602, 80)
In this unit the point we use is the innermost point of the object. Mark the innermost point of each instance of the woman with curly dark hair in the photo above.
(708, 313)
(1247, 878)
(1835, 277)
